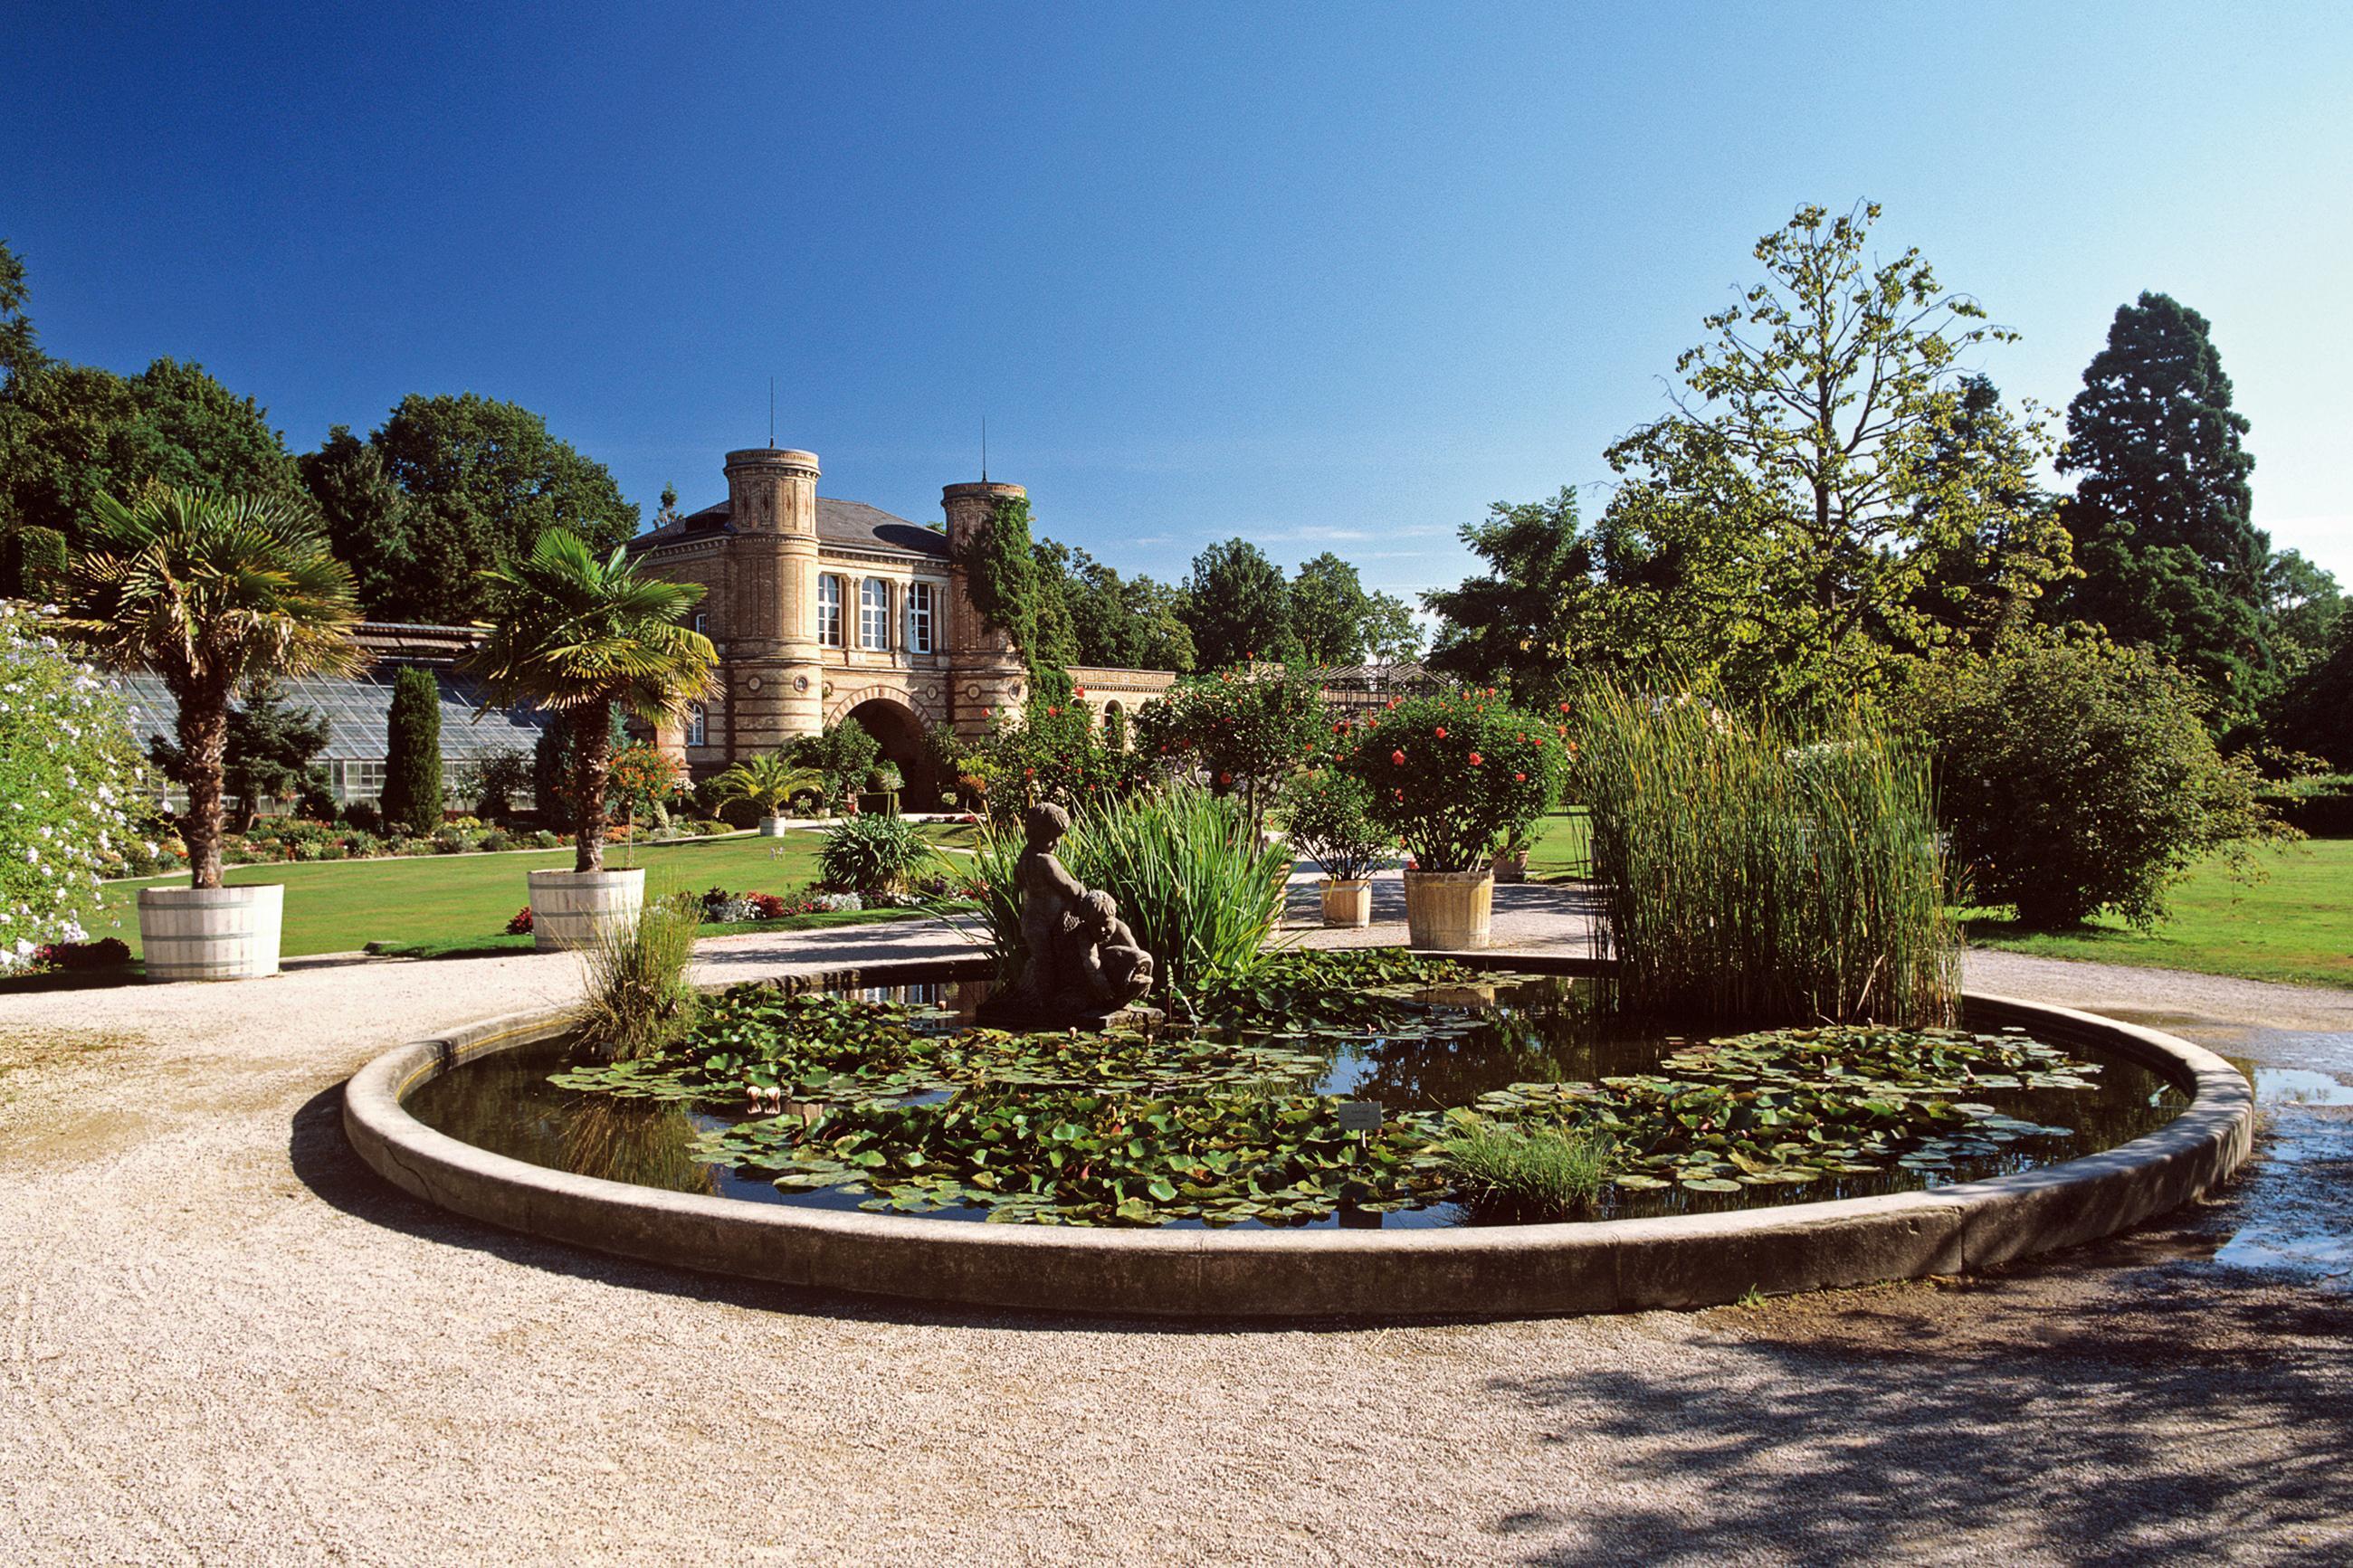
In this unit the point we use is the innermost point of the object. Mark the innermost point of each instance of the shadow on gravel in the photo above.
(2167, 1412)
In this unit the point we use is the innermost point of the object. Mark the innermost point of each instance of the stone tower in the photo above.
(777, 689)
(987, 669)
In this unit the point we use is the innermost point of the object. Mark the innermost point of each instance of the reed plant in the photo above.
(1753, 871)
(1197, 884)
(640, 1001)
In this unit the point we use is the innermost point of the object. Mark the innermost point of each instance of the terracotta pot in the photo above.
(1348, 903)
(569, 908)
(1511, 865)
(211, 934)
(1449, 911)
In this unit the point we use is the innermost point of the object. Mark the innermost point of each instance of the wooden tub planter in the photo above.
(569, 908)
(1348, 903)
(211, 934)
(1450, 912)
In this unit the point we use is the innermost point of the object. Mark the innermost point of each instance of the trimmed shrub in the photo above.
(411, 769)
(1453, 777)
(870, 854)
(2078, 777)
(1329, 817)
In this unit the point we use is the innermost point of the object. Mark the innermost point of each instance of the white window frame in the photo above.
(829, 610)
(919, 618)
(874, 615)
(703, 622)
(698, 724)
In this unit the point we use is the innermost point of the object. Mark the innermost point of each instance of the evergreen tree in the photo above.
(2161, 517)
(272, 749)
(411, 769)
(1237, 607)
(367, 516)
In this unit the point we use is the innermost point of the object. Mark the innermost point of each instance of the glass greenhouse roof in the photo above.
(358, 708)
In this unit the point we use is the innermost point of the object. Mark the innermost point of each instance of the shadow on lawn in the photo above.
(2160, 1411)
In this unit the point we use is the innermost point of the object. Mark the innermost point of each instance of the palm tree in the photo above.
(211, 592)
(578, 634)
(769, 782)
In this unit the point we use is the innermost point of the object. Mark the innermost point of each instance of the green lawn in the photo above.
(1564, 848)
(449, 902)
(2296, 925)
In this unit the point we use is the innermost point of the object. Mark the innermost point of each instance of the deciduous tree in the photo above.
(1237, 606)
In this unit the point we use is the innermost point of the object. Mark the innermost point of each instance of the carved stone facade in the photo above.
(823, 610)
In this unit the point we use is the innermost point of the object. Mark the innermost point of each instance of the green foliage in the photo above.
(640, 1001)
(1787, 526)
(871, 854)
(33, 565)
(1987, 565)
(1192, 877)
(769, 781)
(582, 635)
(2161, 515)
(1751, 870)
(70, 772)
(841, 754)
(1001, 574)
(272, 750)
(1131, 623)
(1328, 611)
(1329, 816)
(1115, 730)
(367, 519)
(483, 482)
(1453, 777)
(2315, 714)
(493, 780)
(1237, 607)
(212, 594)
(1516, 625)
(1052, 753)
(1248, 730)
(2078, 777)
(1529, 1172)
(412, 798)
(641, 781)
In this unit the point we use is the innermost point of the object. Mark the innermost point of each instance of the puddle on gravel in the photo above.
(2300, 1198)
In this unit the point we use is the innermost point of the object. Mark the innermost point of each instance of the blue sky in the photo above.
(1325, 276)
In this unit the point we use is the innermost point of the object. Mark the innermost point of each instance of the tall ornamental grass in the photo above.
(1192, 877)
(640, 1001)
(1752, 873)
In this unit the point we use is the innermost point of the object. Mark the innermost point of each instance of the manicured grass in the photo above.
(1564, 848)
(2295, 926)
(493, 946)
(450, 901)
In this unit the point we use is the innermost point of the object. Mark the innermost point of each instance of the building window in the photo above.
(874, 613)
(919, 618)
(829, 610)
(698, 724)
(703, 622)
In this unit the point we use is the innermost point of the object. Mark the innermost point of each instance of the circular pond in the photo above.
(1948, 1168)
(1787, 1117)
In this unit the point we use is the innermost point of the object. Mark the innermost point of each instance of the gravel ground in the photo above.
(223, 1341)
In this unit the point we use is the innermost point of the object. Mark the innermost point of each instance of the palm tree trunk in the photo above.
(592, 745)
(203, 747)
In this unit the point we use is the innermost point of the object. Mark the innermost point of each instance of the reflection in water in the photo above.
(1485, 1036)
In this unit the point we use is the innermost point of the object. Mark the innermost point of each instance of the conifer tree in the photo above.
(411, 769)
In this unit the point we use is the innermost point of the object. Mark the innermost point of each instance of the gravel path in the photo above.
(223, 1341)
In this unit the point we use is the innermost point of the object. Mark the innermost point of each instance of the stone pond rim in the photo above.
(1530, 1270)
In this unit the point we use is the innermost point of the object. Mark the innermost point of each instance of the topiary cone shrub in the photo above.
(412, 772)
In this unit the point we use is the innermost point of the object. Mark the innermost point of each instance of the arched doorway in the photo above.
(900, 734)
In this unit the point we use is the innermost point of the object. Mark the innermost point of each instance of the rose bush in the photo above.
(1247, 730)
(1454, 776)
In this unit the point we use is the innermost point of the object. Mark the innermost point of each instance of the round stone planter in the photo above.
(569, 908)
(772, 827)
(211, 934)
(1449, 911)
(1348, 903)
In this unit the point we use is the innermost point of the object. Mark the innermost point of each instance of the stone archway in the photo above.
(896, 729)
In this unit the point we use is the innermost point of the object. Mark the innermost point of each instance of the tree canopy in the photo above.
(2162, 509)
(1126, 623)
(1516, 625)
(1237, 606)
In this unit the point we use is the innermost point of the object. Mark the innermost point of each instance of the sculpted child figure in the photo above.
(1050, 895)
(1108, 967)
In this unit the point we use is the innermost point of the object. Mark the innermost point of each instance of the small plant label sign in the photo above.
(1360, 1115)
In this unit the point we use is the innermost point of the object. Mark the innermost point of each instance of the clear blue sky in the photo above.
(1321, 277)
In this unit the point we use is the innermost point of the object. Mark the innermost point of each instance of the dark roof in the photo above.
(847, 523)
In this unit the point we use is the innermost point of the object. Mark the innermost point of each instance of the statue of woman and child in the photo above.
(1084, 964)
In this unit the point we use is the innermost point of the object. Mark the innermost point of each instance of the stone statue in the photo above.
(1085, 963)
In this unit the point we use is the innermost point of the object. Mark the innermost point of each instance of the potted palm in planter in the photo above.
(581, 635)
(211, 593)
(1330, 820)
(1452, 776)
(769, 782)
(883, 782)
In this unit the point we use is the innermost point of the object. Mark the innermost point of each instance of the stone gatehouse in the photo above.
(824, 609)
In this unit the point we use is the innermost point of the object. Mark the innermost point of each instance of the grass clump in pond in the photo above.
(640, 1001)
(1529, 1172)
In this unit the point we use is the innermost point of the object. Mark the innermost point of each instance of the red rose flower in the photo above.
(1476, 759)
(1401, 795)
(1396, 759)
(1564, 707)
(1441, 732)
(1053, 712)
(1225, 778)
(1519, 778)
